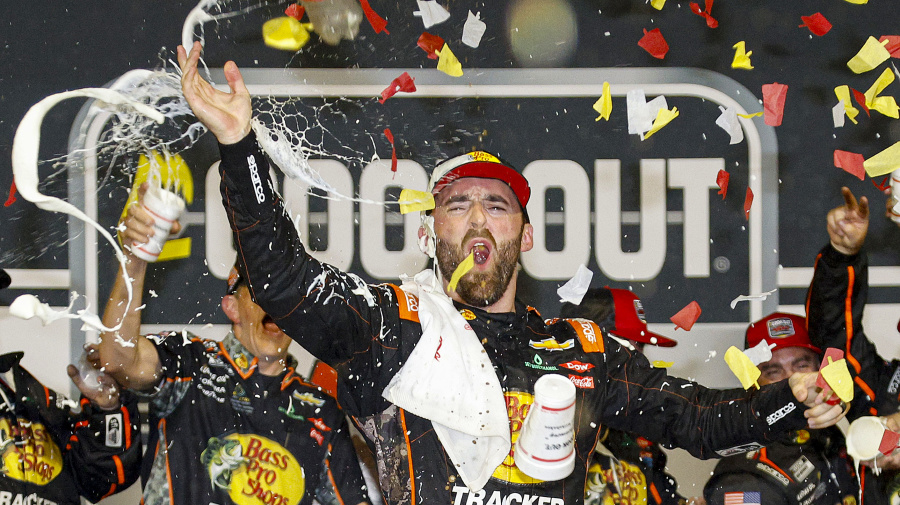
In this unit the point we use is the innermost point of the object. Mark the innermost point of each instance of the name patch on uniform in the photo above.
(114, 430)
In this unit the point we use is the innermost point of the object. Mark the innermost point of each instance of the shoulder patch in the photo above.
(589, 334)
(407, 304)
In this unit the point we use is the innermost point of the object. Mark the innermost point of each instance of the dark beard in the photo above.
(480, 289)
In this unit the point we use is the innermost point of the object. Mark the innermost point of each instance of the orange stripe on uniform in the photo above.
(848, 320)
(412, 476)
(126, 421)
(764, 458)
(120, 471)
(112, 490)
(334, 486)
(655, 493)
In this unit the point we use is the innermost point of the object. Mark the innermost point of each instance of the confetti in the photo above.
(774, 96)
(403, 83)
(390, 138)
(751, 116)
(448, 64)
(728, 121)
(852, 163)
(431, 44)
(884, 162)
(883, 104)
(378, 23)
(573, 291)
(843, 95)
(816, 23)
(473, 30)
(835, 374)
(722, 179)
(285, 33)
(431, 13)
(748, 202)
(641, 113)
(662, 364)
(742, 367)
(463, 268)
(663, 117)
(603, 105)
(686, 317)
(654, 43)
(12, 194)
(295, 11)
(861, 100)
(760, 353)
(858, 2)
(710, 21)
(869, 57)
(892, 44)
(741, 57)
(657, 4)
(412, 200)
(747, 298)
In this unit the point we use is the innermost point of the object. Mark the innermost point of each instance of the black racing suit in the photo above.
(834, 306)
(48, 455)
(632, 472)
(812, 467)
(223, 433)
(366, 332)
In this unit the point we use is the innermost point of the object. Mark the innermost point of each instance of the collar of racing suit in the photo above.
(502, 324)
(243, 358)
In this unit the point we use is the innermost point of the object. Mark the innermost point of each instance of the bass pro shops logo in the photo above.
(36, 460)
(254, 470)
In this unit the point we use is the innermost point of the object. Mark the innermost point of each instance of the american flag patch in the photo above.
(743, 498)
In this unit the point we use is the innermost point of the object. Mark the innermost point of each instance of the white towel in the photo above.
(449, 380)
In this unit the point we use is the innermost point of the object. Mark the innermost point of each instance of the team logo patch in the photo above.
(253, 469)
(538, 363)
(743, 498)
(241, 361)
(639, 310)
(802, 468)
(114, 430)
(781, 327)
(35, 459)
(577, 366)
(467, 314)
(582, 382)
(551, 344)
(517, 406)
(308, 398)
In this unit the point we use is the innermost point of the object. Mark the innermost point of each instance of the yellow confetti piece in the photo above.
(858, 2)
(657, 4)
(751, 116)
(412, 200)
(870, 56)
(838, 378)
(742, 367)
(741, 57)
(663, 117)
(883, 104)
(884, 162)
(447, 62)
(843, 94)
(285, 33)
(662, 364)
(176, 249)
(603, 106)
(463, 268)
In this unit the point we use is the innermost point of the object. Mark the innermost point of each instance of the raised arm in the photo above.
(125, 355)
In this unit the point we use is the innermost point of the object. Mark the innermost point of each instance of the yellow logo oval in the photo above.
(254, 470)
(517, 405)
(37, 461)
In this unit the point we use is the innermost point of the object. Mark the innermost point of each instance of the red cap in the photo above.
(480, 164)
(783, 330)
(630, 321)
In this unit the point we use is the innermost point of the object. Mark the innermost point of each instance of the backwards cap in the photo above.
(479, 164)
(782, 329)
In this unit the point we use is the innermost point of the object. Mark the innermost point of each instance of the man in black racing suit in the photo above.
(368, 332)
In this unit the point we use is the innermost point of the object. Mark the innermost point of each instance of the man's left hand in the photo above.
(819, 413)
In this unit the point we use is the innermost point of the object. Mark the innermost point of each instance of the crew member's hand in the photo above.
(137, 226)
(848, 224)
(819, 413)
(227, 115)
(892, 460)
(107, 396)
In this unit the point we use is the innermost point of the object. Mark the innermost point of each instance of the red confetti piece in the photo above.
(889, 442)
(654, 43)
(883, 185)
(852, 163)
(295, 11)
(686, 317)
(773, 98)
(431, 44)
(12, 195)
(748, 201)
(722, 181)
(390, 138)
(816, 24)
(710, 21)
(835, 354)
(378, 23)
(893, 44)
(861, 100)
(403, 83)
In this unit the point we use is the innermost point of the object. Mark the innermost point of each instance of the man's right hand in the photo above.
(848, 224)
(137, 226)
(227, 115)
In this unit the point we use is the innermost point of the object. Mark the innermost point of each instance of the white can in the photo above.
(895, 195)
(545, 449)
(165, 207)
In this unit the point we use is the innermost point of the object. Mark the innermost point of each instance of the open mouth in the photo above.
(481, 251)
